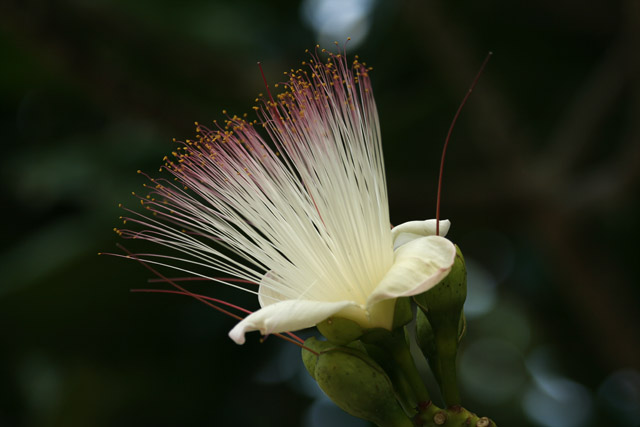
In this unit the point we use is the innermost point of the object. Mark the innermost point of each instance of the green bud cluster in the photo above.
(371, 373)
(355, 382)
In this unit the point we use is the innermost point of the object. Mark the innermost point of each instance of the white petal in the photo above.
(267, 293)
(411, 230)
(418, 266)
(284, 316)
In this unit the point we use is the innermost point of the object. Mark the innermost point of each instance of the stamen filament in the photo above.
(446, 141)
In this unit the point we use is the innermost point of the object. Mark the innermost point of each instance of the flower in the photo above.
(303, 214)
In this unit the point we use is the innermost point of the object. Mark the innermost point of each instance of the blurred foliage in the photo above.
(541, 186)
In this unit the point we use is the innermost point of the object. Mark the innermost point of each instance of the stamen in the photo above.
(201, 279)
(308, 201)
(446, 141)
(186, 292)
(294, 340)
(273, 108)
(166, 291)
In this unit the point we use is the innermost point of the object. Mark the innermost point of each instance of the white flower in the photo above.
(304, 214)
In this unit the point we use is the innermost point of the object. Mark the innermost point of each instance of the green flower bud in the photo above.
(442, 306)
(339, 330)
(310, 358)
(313, 347)
(445, 300)
(342, 331)
(403, 313)
(358, 385)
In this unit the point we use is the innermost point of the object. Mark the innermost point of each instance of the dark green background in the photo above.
(541, 185)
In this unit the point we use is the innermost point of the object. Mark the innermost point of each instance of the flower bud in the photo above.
(442, 306)
(402, 313)
(310, 358)
(358, 385)
(445, 300)
(340, 330)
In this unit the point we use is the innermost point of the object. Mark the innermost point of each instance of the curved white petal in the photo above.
(418, 266)
(267, 293)
(285, 316)
(412, 230)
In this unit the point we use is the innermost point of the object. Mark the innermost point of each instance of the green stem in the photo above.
(405, 392)
(402, 356)
(447, 349)
(432, 416)
(394, 345)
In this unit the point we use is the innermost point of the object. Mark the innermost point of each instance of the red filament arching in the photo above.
(446, 141)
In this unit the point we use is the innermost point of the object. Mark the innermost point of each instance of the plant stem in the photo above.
(402, 356)
(431, 415)
(447, 348)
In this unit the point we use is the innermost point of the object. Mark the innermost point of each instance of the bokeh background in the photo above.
(541, 184)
